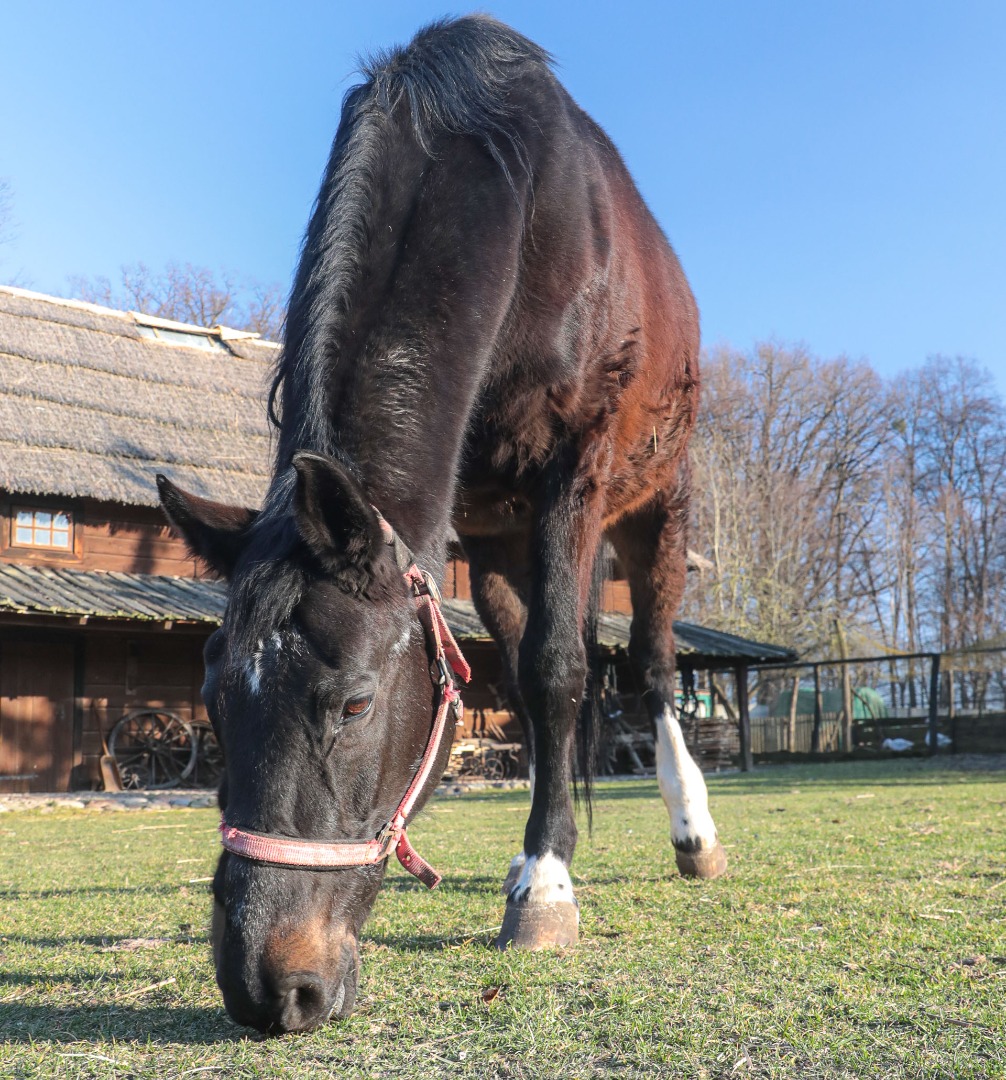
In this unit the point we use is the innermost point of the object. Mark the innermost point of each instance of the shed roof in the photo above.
(40, 590)
(90, 407)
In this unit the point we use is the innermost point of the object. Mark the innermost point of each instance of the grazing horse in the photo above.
(487, 329)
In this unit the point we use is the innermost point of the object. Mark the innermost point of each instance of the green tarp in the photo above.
(867, 704)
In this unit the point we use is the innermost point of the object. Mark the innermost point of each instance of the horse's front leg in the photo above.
(541, 909)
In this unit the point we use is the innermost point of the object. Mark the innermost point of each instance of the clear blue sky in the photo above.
(832, 173)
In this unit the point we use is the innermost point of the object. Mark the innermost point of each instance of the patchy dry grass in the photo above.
(861, 932)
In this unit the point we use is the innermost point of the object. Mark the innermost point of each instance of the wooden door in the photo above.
(36, 715)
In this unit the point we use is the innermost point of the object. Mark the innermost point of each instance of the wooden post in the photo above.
(847, 717)
(741, 675)
(815, 739)
(791, 733)
(948, 681)
(934, 689)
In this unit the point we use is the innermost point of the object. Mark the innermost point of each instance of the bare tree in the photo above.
(7, 227)
(831, 503)
(189, 294)
(6, 211)
(962, 486)
(787, 467)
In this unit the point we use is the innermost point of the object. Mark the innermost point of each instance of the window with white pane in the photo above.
(52, 529)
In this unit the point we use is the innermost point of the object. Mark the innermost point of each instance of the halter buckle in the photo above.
(431, 587)
(387, 838)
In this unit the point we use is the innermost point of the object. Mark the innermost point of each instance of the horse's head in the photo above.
(318, 686)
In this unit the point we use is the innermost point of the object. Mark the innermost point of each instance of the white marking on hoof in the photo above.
(543, 880)
(683, 788)
(513, 873)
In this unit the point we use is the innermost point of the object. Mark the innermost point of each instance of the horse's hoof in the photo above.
(539, 926)
(704, 863)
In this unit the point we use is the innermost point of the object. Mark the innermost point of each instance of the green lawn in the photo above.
(860, 931)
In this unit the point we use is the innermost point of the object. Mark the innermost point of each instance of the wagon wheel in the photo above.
(511, 765)
(209, 757)
(493, 767)
(153, 749)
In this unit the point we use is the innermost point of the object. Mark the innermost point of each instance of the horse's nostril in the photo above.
(303, 1001)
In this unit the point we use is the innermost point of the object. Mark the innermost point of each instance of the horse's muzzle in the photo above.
(270, 995)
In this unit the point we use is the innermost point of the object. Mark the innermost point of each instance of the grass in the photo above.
(860, 932)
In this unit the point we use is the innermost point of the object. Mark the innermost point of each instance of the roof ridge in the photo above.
(140, 318)
(63, 301)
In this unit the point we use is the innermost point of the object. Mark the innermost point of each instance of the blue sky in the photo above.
(829, 173)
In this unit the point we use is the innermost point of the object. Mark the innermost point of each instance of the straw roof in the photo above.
(91, 407)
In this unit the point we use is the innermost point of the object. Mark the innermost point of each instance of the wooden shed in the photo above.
(101, 608)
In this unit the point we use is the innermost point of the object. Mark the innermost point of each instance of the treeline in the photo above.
(842, 511)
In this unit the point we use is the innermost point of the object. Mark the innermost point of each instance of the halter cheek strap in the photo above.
(309, 854)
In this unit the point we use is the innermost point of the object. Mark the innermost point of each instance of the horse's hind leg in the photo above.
(651, 548)
(499, 579)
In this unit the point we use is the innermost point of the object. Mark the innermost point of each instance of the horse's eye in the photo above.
(357, 707)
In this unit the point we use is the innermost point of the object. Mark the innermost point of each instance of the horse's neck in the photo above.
(400, 295)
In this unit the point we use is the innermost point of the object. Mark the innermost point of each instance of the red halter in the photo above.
(280, 851)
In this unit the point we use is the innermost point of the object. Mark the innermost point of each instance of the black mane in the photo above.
(455, 76)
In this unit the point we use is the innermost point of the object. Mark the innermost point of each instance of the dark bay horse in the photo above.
(487, 329)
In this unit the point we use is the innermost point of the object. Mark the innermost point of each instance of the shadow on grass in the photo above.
(123, 1023)
(89, 890)
(431, 943)
(454, 882)
(109, 942)
(620, 790)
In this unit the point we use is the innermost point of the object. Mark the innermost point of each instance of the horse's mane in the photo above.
(456, 77)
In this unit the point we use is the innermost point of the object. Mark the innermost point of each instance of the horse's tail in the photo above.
(590, 716)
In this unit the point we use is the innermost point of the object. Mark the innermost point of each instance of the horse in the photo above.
(487, 332)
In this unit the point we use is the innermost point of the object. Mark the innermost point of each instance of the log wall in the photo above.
(107, 536)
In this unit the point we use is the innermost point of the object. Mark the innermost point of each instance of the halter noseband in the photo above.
(447, 662)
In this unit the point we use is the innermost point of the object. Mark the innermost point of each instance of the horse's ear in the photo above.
(332, 513)
(215, 532)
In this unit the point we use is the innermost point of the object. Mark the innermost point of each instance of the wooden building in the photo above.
(102, 610)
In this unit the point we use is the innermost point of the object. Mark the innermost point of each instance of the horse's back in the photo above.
(601, 341)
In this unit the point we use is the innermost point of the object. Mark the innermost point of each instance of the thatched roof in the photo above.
(91, 407)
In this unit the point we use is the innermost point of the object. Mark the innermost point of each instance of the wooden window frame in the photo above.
(9, 547)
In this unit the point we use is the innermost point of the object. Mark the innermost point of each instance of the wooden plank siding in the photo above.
(124, 671)
(37, 704)
(107, 536)
(59, 692)
(457, 586)
(66, 681)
